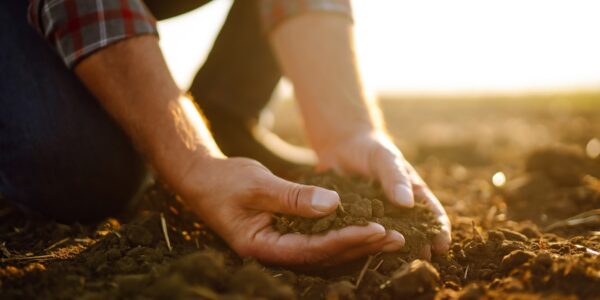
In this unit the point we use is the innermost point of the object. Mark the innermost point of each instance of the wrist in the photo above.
(193, 179)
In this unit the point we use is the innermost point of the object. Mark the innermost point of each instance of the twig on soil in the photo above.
(378, 265)
(306, 290)
(364, 269)
(476, 232)
(590, 216)
(57, 244)
(587, 250)
(20, 258)
(163, 223)
(116, 233)
(87, 239)
(466, 272)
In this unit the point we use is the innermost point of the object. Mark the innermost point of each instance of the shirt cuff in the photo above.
(78, 28)
(275, 12)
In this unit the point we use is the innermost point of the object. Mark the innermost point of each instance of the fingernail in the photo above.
(395, 243)
(392, 246)
(403, 195)
(324, 200)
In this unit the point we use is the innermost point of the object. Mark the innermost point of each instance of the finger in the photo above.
(392, 242)
(390, 169)
(425, 253)
(282, 196)
(440, 242)
(299, 249)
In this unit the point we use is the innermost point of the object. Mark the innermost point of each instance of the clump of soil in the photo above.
(558, 183)
(494, 254)
(364, 201)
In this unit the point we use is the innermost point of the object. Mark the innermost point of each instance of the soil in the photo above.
(535, 237)
(363, 201)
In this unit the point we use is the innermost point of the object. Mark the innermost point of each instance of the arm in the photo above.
(234, 196)
(134, 85)
(316, 51)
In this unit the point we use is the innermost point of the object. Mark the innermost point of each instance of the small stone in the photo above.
(516, 259)
(496, 235)
(138, 235)
(513, 235)
(509, 246)
(542, 261)
(413, 279)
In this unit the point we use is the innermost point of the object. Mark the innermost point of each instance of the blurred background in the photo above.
(441, 47)
(476, 82)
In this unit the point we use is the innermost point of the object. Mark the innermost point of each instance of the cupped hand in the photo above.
(373, 154)
(237, 197)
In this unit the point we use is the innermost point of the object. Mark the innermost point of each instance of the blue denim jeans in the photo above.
(60, 152)
(62, 155)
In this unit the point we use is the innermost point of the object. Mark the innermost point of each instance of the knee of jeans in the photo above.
(67, 194)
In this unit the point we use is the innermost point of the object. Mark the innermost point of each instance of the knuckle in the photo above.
(292, 196)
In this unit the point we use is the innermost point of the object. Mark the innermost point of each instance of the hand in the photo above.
(236, 197)
(374, 155)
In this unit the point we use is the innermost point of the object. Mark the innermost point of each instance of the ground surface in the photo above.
(536, 236)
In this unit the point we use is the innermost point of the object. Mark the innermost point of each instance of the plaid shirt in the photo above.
(78, 28)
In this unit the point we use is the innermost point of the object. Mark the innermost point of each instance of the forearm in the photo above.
(132, 82)
(316, 52)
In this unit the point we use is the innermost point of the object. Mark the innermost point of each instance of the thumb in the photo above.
(296, 199)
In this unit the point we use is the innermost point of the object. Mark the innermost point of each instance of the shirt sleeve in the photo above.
(274, 12)
(78, 28)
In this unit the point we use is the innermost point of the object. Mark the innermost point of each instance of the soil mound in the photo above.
(363, 201)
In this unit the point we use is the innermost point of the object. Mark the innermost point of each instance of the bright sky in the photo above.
(441, 46)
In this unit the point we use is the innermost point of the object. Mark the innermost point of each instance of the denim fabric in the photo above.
(60, 152)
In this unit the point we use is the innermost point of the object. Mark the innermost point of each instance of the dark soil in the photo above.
(536, 237)
(363, 201)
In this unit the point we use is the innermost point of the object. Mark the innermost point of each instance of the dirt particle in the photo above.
(415, 278)
(513, 235)
(360, 208)
(377, 208)
(515, 259)
(138, 235)
(324, 223)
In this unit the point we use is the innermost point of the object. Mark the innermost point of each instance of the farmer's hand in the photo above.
(316, 52)
(374, 155)
(236, 197)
